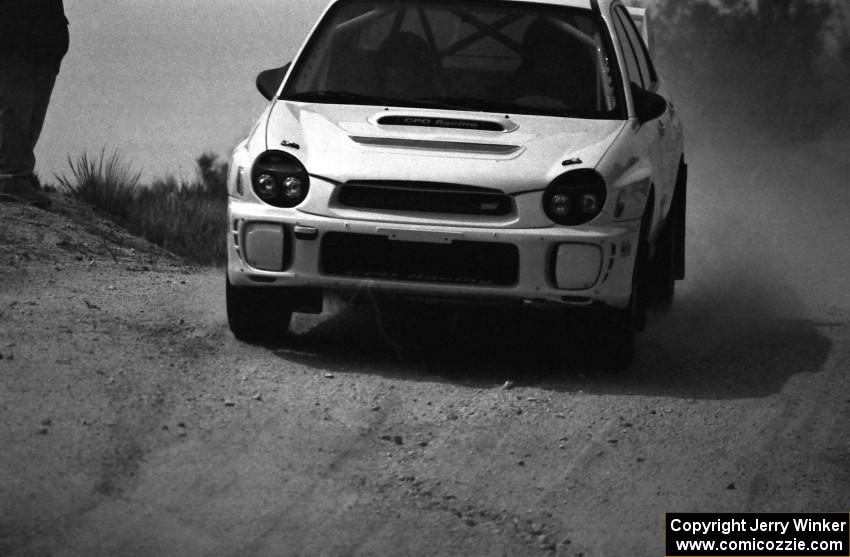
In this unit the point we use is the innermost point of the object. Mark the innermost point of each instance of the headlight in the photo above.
(575, 198)
(293, 188)
(267, 187)
(280, 179)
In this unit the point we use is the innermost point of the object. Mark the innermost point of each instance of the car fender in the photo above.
(628, 170)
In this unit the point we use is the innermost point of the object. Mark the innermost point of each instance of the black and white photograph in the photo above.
(424, 278)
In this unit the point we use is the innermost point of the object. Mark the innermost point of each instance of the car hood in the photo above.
(510, 152)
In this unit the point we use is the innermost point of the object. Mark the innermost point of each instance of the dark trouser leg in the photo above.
(24, 95)
(44, 80)
(17, 93)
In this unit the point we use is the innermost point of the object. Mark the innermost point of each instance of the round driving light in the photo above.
(267, 187)
(293, 187)
(560, 204)
(575, 198)
(590, 203)
(280, 179)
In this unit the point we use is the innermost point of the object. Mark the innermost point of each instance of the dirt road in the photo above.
(134, 424)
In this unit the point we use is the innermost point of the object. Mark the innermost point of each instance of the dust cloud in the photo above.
(767, 138)
(767, 266)
(768, 229)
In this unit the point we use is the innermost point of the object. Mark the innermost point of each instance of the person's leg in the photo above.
(43, 82)
(17, 94)
(20, 91)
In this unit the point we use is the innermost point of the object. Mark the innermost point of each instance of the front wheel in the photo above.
(258, 315)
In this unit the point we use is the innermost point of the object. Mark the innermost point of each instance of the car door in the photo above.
(672, 137)
(658, 134)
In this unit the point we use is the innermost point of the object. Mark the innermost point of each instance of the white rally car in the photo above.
(501, 150)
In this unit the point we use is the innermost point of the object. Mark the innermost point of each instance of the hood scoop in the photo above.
(435, 130)
(445, 120)
(446, 123)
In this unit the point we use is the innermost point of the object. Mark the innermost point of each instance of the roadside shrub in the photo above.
(186, 218)
(107, 183)
(186, 223)
(212, 175)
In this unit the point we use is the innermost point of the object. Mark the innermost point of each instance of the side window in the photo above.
(647, 71)
(629, 54)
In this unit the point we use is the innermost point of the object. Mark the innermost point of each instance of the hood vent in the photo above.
(423, 144)
(439, 122)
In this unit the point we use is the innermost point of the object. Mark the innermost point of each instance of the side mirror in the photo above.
(268, 81)
(648, 105)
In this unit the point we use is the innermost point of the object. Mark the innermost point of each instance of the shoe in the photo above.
(21, 190)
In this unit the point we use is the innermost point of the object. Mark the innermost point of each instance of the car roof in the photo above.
(585, 4)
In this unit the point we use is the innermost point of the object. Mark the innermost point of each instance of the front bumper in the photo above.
(270, 247)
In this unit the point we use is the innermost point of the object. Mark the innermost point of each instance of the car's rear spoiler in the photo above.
(641, 19)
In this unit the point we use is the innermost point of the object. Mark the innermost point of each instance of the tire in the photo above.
(258, 315)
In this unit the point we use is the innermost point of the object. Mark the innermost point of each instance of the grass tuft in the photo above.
(106, 183)
(186, 218)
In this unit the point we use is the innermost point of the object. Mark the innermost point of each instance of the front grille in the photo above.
(425, 197)
(378, 257)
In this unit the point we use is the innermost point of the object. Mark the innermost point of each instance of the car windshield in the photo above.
(511, 57)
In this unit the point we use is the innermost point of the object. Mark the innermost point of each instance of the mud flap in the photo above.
(680, 200)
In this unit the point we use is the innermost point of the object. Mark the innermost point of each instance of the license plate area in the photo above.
(381, 257)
